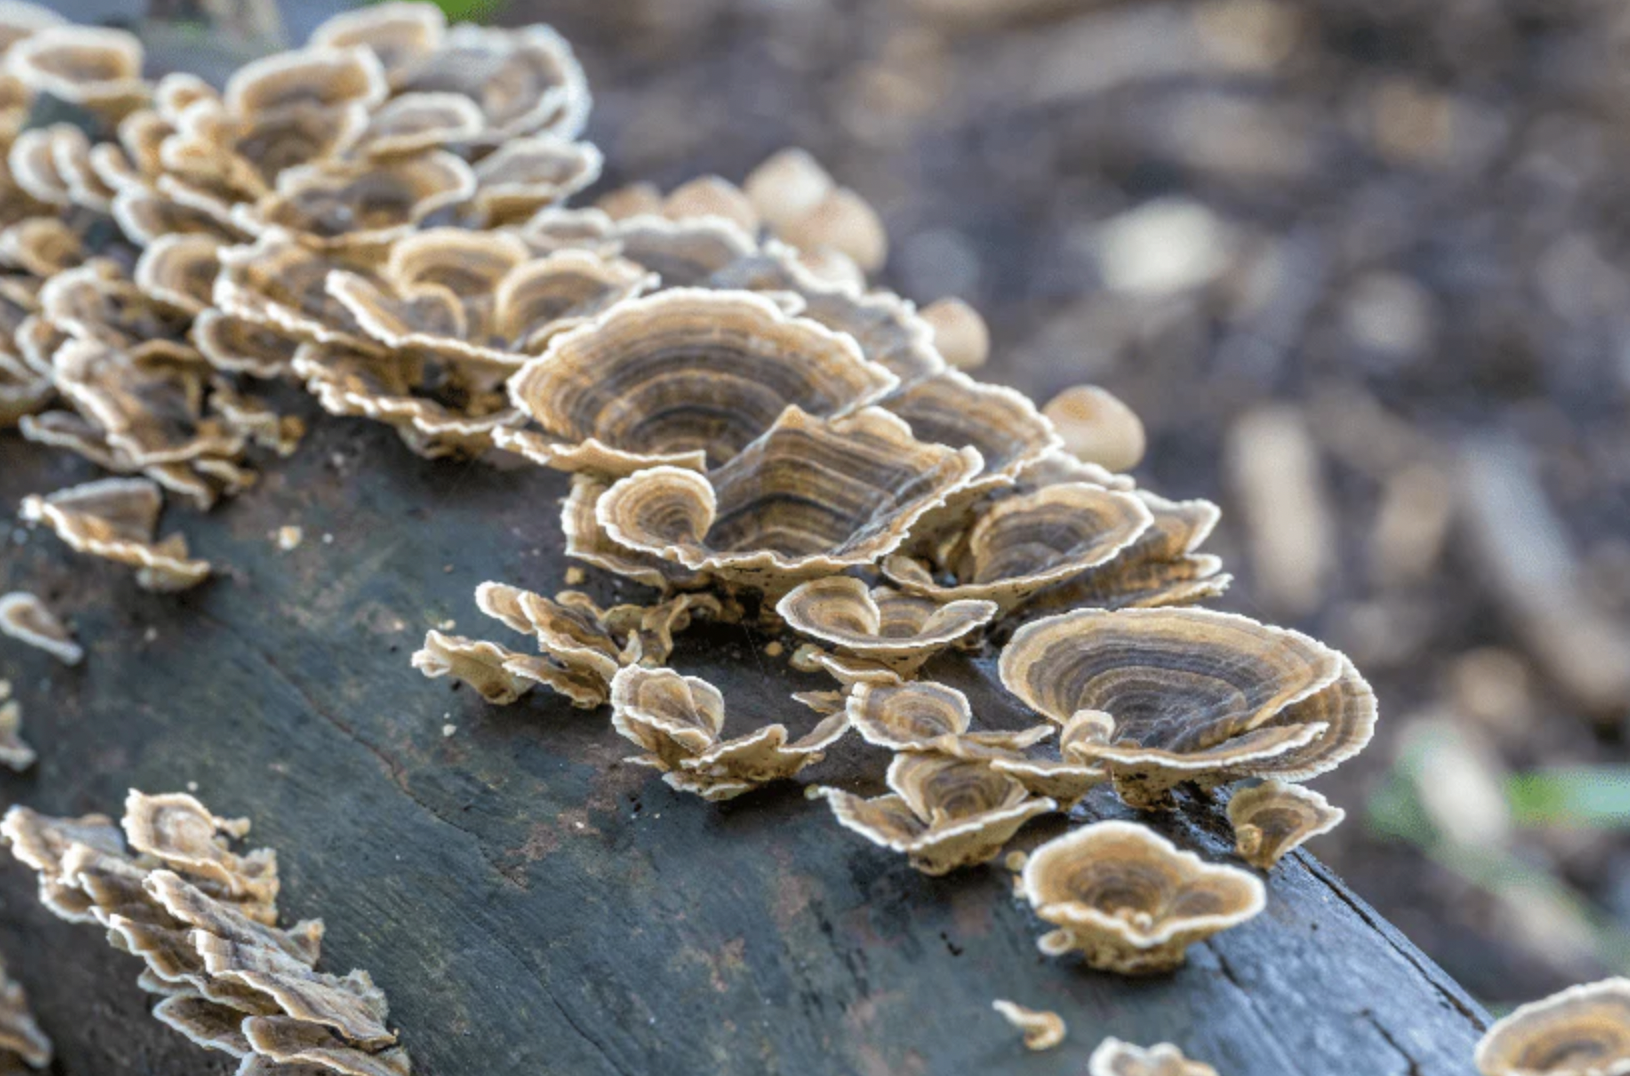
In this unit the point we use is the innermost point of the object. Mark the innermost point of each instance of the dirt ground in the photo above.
(1360, 265)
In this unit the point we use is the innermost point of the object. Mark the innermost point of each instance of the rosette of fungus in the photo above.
(880, 624)
(1116, 1058)
(1274, 818)
(942, 812)
(117, 518)
(1195, 696)
(810, 498)
(687, 377)
(27, 619)
(923, 716)
(1582, 1031)
(1129, 900)
(202, 918)
(678, 721)
(1020, 545)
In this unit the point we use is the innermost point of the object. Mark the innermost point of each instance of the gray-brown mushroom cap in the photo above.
(116, 518)
(1274, 818)
(1116, 1058)
(96, 68)
(687, 377)
(25, 618)
(953, 409)
(1582, 1031)
(1129, 900)
(810, 498)
(883, 624)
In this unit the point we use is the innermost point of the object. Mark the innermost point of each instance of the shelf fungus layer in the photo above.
(1129, 901)
(1275, 818)
(27, 619)
(117, 518)
(686, 377)
(1195, 696)
(679, 721)
(925, 716)
(808, 499)
(1582, 1031)
(942, 813)
(880, 623)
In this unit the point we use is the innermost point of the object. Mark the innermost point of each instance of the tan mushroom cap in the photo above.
(1129, 900)
(15, 752)
(687, 377)
(323, 76)
(1020, 545)
(1042, 1030)
(1581, 1031)
(960, 333)
(1116, 1058)
(351, 1005)
(397, 32)
(953, 409)
(20, 1035)
(679, 721)
(19, 19)
(880, 623)
(526, 80)
(1273, 818)
(23, 391)
(1097, 427)
(587, 541)
(1074, 773)
(297, 1047)
(96, 68)
(234, 345)
(501, 675)
(925, 716)
(41, 246)
(810, 498)
(41, 842)
(206, 1023)
(116, 518)
(179, 271)
(525, 175)
(338, 206)
(415, 122)
(279, 283)
(711, 196)
(27, 619)
(943, 812)
(179, 830)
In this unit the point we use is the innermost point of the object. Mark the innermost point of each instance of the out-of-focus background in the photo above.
(1362, 266)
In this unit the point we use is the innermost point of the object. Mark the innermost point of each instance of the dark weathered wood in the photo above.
(533, 906)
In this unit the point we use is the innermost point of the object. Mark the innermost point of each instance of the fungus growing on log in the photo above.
(925, 716)
(880, 624)
(15, 753)
(117, 518)
(1042, 1030)
(1582, 1031)
(1097, 427)
(1129, 901)
(1275, 818)
(1116, 1058)
(27, 619)
(942, 813)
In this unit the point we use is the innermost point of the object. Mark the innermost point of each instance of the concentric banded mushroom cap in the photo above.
(179, 271)
(1582, 1031)
(322, 76)
(150, 409)
(290, 1045)
(908, 717)
(116, 518)
(525, 175)
(501, 675)
(1129, 900)
(686, 376)
(1020, 545)
(587, 541)
(279, 283)
(526, 80)
(416, 122)
(679, 721)
(1116, 1058)
(900, 630)
(362, 205)
(810, 498)
(953, 409)
(397, 32)
(95, 68)
(943, 812)
(1274, 818)
(27, 619)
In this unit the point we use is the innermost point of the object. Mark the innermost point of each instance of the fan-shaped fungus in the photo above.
(25, 618)
(1129, 900)
(943, 812)
(1042, 1030)
(1116, 1058)
(879, 623)
(925, 716)
(1274, 818)
(678, 720)
(1582, 1031)
(116, 518)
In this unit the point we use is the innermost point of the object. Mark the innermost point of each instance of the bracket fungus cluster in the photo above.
(167, 886)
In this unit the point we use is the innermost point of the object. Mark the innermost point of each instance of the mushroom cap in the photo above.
(911, 716)
(525, 175)
(289, 1044)
(323, 75)
(1098, 428)
(96, 68)
(809, 498)
(1042, 1030)
(19, 19)
(116, 518)
(1116, 1058)
(397, 32)
(880, 622)
(1581, 1031)
(1274, 818)
(27, 619)
(415, 122)
(960, 333)
(587, 541)
(1130, 899)
(685, 375)
(526, 80)
(953, 409)
(280, 283)
(359, 205)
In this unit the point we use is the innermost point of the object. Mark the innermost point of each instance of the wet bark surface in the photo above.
(530, 903)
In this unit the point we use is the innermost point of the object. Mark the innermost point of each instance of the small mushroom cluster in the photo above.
(168, 887)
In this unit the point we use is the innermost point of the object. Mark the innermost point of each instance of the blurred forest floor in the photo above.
(1363, 268)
